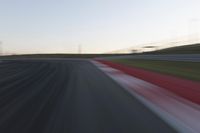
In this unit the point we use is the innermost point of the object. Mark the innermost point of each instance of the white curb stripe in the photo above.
(181, 114)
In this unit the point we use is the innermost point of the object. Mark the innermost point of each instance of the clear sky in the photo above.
(35, 26)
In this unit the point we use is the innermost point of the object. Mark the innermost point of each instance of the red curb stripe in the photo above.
(187, 89)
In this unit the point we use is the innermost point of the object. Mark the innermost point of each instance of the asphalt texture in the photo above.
(166, 57)
(69, 96)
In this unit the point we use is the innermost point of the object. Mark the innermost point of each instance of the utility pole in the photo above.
(1, 48)
(79, 49)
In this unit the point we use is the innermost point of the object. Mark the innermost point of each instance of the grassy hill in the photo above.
(186, 49)
(187, 70)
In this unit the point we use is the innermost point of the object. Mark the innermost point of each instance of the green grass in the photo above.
(188, 70)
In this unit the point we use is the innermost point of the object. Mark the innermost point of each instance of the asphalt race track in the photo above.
(162, 57)
(68, 96)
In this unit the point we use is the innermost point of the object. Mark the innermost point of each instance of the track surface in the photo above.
(68, 96)
(166, 57)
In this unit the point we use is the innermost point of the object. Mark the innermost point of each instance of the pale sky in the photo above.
(60, 26)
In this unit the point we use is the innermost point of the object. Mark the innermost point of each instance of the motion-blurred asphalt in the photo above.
(162, 57)
(68, 96)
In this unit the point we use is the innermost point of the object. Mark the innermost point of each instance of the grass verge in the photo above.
(188, 70)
